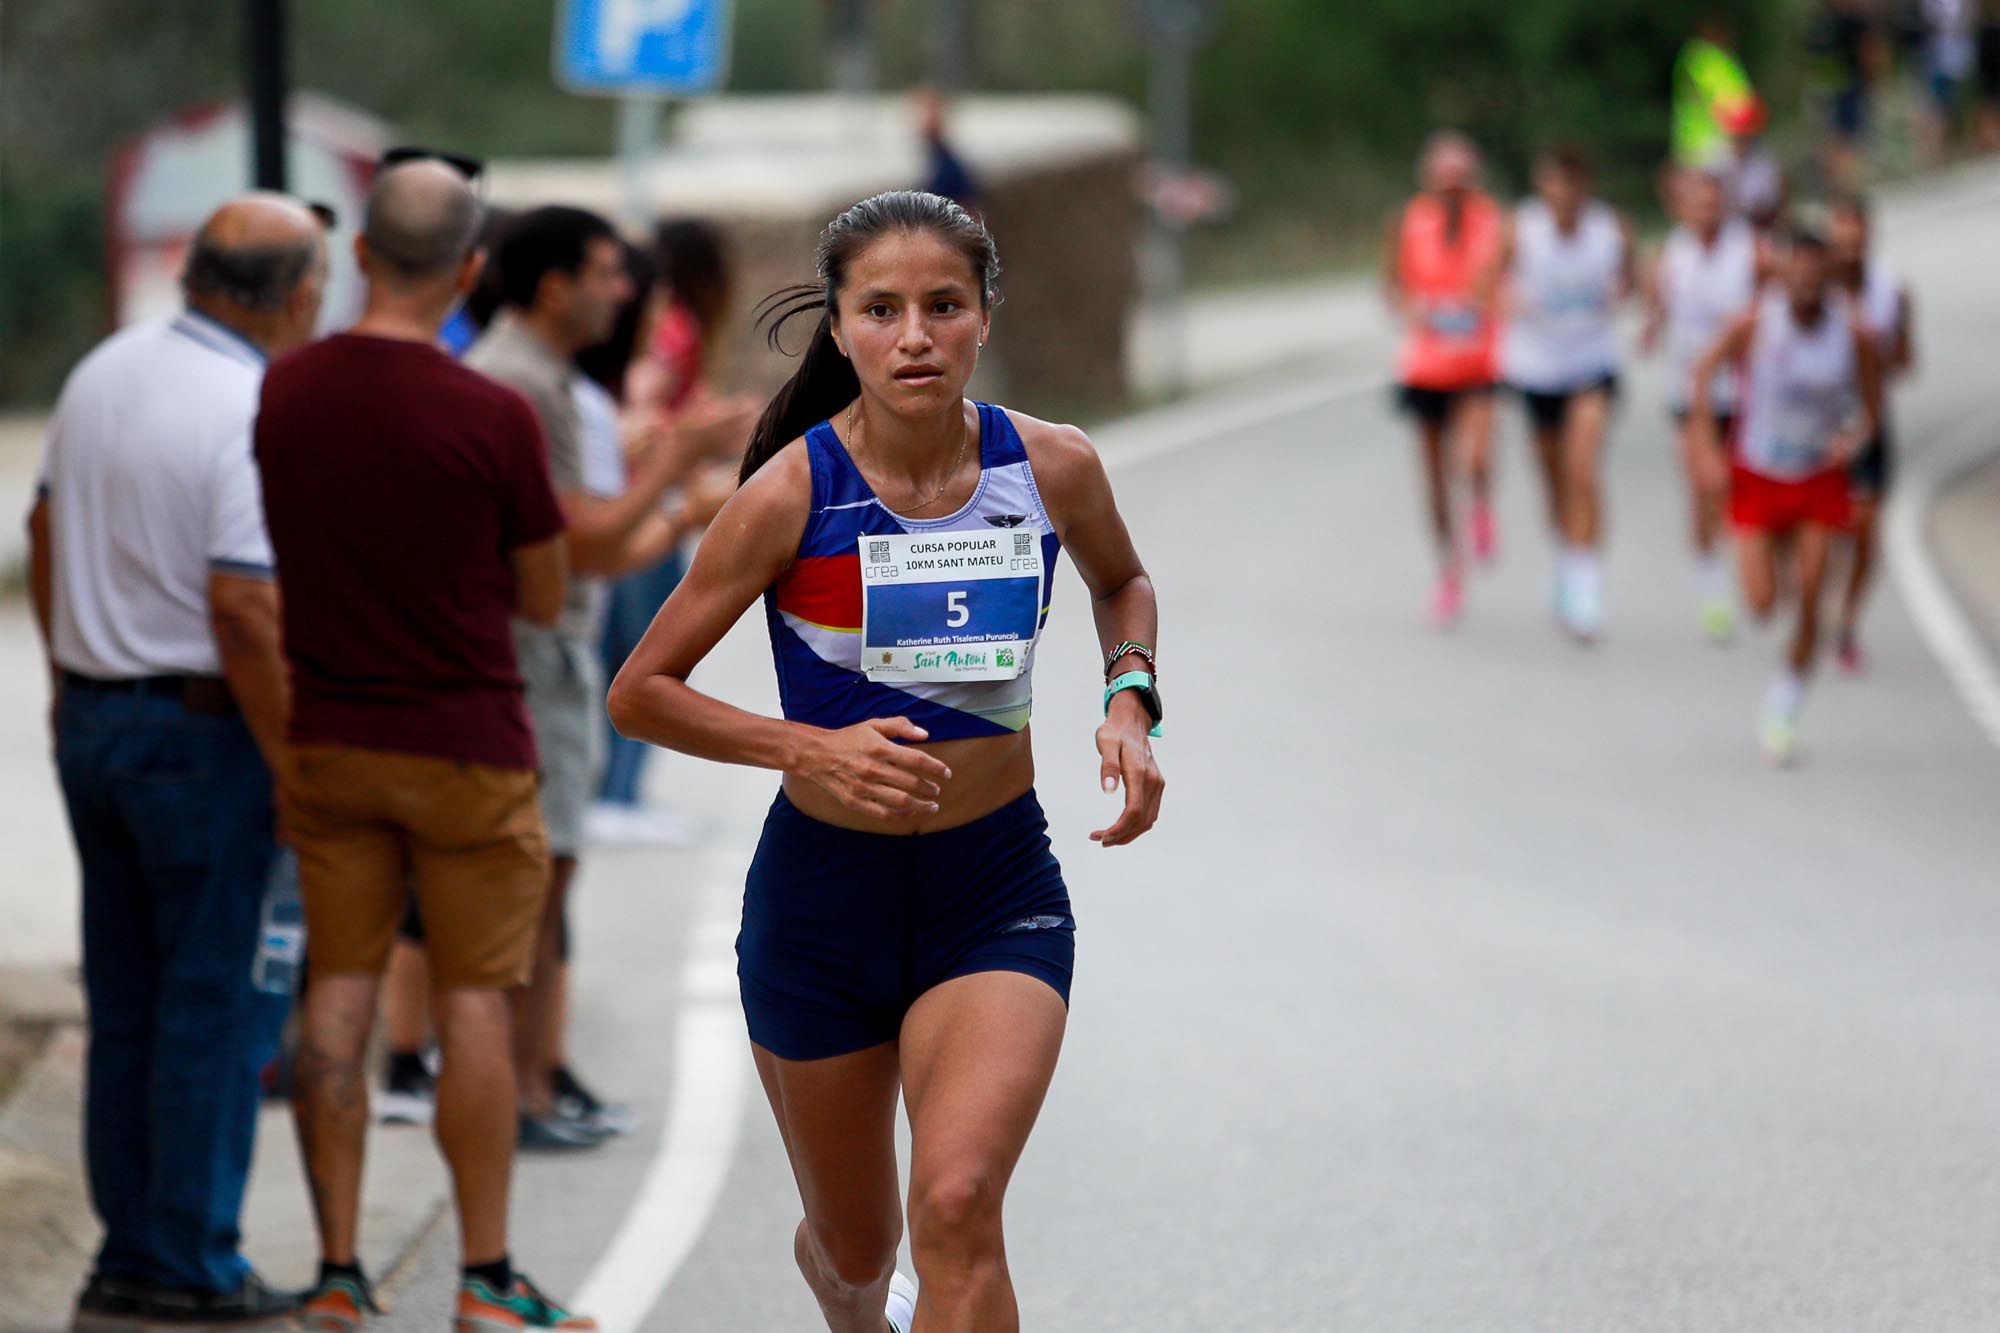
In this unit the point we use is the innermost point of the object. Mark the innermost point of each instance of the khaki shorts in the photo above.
(368, 825)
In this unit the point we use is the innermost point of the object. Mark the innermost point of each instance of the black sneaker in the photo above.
(251, 1302)
(578, 1103)
(556, 1133)
(110, 1299)
(408, 1095)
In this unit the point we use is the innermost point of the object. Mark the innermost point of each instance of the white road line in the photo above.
(1196, 420)
(711, 1078)
(1946, 628)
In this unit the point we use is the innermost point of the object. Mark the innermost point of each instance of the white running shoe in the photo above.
(902, 1306)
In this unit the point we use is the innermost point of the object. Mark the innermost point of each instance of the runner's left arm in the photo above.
(1628, 262)
(1903, 354)
(1868, 374)
(1077, 492)
(1652, 296)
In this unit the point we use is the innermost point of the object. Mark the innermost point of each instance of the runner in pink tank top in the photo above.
(1438, 272)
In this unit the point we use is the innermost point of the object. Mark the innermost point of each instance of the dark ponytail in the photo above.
(825, 380)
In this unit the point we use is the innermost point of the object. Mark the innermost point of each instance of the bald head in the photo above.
(422, 221)
(253, 252)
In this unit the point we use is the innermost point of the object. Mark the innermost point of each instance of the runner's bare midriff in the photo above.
(986, 773)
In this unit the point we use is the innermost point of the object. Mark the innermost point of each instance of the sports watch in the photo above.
(1141, 684)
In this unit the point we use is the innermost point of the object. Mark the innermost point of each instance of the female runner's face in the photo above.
(911, 322)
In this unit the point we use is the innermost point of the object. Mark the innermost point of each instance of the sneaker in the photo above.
(1485, 536)
(1581, 610)
(1780, 739)
(408, 1095)
(1847, 654)
(1718, 620)
(251, 1302)
(483, 1310)
(339, 1305)
(110, 1299)
(1447, 600)
(557, 1133)
(576, 1102)
(902, 1308)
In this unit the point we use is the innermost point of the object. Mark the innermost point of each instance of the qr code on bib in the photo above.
(878, 553)
(1024, 543)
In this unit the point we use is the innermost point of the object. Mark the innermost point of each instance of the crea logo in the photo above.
(1003, 657)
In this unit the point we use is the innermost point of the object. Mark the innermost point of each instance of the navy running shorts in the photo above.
(1547, 410)
(843, 930)
(1873, 467)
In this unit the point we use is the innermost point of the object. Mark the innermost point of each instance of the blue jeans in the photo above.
(631, 608)
(172, 815)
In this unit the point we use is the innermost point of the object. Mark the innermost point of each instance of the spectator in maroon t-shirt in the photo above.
(411, 514)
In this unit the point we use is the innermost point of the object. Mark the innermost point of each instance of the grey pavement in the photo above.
(1471, 981)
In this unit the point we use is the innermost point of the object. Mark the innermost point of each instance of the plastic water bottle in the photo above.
(281, 938)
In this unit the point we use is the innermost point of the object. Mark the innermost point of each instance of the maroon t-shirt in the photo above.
(396, 485)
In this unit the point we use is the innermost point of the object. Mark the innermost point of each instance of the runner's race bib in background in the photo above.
(950, 606)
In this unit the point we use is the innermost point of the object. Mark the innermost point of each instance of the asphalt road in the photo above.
(1471, 981)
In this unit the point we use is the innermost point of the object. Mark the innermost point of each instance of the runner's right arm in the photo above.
(1392, 268)
(748, 547)
(1733, 345)
(1652, 295)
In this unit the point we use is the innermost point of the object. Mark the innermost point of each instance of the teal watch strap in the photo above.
(1133, 680)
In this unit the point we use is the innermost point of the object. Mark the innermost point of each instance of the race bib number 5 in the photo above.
(949, 606)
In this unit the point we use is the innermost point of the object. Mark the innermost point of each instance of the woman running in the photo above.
(1811, 395)
(1706, 274)
(1883, 303)
(1570, 263)
(904, 922)
(1438, 271)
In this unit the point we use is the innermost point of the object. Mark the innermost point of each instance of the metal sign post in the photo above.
(642, 52)
(1173, 29)
(264, 55)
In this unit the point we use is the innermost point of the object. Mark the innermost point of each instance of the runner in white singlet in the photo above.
(1883, 303)
(1811, 394)
(1705, 275)
(1569, 261)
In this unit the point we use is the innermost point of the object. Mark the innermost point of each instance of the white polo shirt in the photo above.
(151, 487)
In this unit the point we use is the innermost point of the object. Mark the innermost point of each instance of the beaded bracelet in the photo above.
(1126, 648)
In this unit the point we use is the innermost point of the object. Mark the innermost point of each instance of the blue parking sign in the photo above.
(667, 47)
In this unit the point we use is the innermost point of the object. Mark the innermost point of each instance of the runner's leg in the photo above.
(1582, 440)
(1437, 489)
(1861, 568)
(837, 1117)
(1756, 561)
(978, 1053)
(1471, 437)
(1811, 548)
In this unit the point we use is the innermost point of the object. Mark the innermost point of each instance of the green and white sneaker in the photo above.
(1718, 620)
(1780, 736)
(523, 1306)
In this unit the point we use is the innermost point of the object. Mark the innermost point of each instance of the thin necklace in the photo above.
(964, 440)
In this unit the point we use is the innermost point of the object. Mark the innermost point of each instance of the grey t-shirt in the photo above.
(512, 354)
